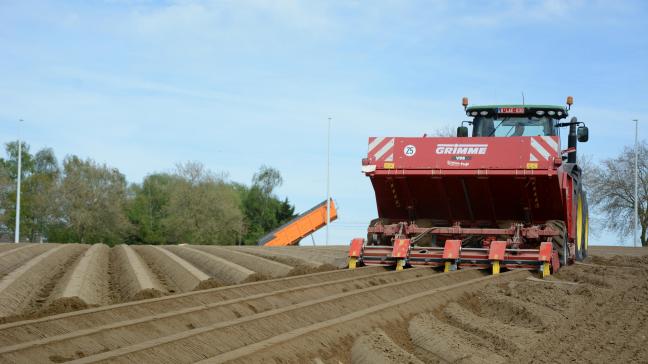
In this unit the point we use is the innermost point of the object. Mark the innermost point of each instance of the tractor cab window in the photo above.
(513, 126)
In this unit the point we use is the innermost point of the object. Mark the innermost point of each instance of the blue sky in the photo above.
(237, 84)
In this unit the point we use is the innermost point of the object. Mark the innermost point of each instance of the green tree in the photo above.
(263, 211)
(202, 208)
(39, 180)
(93, 201)
(148, 207)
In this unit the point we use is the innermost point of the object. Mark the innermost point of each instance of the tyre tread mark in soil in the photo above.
(17, 332)
(122, 333)
(378, 348)
(233, 335)
(331, 337)
(448, 343)
(504, 338)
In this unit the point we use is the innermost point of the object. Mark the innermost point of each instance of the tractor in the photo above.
(508, 196)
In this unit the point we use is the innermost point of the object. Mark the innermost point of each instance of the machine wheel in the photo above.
(585, 238)
(580, 227)
(560, 241)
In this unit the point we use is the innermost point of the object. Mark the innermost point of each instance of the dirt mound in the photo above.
(208, 283)
(256, 277)
(146, 294)
(591, 312)
(65, 304)
(266, 267)
(448, 343)
(308, 269)
(20, 290)
(503, 337)
(34, 276)
(177, 272)
(585, 313)
(10, 259)
(217, 268)
(621, 261)
(378, 348)
(133, 279)
(88, 281)
(287, 257)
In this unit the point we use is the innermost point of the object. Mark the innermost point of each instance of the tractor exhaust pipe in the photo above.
(572, 141)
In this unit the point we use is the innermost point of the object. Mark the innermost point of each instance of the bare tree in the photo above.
(445, 131)
(610, 188)
(267, 179)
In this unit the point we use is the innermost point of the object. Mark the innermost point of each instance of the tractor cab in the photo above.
(514, 120)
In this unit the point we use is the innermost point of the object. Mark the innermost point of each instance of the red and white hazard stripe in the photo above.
(543, 147)
(381, 149)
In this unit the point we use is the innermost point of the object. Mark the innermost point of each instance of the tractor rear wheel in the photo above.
(560, 240)
(585, 238)
(580, 227)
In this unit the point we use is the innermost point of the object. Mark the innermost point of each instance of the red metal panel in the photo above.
(544, 255)
(497, 250)
(377, 255)
(401, 248)
(451, 249)
(356, 247)
(446, 197)
(517, 153)
(555, 261)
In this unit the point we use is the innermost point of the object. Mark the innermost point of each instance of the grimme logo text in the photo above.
(461, 149)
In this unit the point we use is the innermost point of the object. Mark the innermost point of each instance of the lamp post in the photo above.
(328, 181)
(636, 181)
(17, 229)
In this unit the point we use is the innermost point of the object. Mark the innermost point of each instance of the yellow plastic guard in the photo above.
(447, 266)
(496, 267)
(352, 263)
(546, 271)
(400, 264)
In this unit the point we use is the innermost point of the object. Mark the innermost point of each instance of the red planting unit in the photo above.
(507, 197)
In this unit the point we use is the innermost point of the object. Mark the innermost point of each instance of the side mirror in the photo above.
(462, 131)
(583, 134)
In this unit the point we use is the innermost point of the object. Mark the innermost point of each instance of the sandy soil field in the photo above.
(591, 312)
(45, 279)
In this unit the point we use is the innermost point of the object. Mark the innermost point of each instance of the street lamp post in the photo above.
(17, 229)
(636, 180)
(328, 181)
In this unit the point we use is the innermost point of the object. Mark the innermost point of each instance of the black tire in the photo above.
(585, 246)
(580, 226)
(560, 241)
